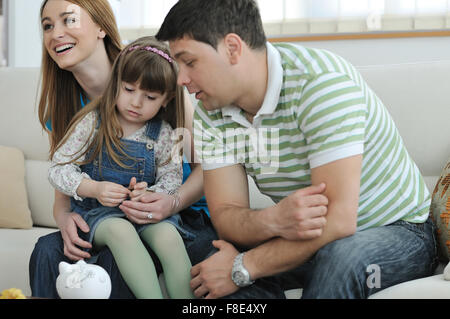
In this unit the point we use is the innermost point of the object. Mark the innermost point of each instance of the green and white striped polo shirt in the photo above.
(317, 110)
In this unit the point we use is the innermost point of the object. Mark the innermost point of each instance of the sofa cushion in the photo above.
(40, 193)
(433, 287)
(440, 212)
(14, 211)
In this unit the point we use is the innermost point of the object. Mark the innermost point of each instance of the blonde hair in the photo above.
(60, 91)
(154, 73)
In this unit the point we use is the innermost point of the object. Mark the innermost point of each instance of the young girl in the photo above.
(114, 148)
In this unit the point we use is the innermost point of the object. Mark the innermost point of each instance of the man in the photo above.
(351, 212)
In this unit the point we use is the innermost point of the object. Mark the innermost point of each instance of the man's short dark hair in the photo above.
(209, 21)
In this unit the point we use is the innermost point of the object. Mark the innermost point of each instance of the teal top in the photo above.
(83, 104)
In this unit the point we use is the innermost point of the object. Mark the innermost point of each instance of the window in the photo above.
(302, 17)
(137, 18)
(2, 36)
(306, 17)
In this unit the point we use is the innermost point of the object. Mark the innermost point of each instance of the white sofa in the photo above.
(415, 94)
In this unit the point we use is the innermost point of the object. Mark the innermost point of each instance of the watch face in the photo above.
(238, 277)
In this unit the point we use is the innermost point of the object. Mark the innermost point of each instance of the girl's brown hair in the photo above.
(60, 91)
(154, 73)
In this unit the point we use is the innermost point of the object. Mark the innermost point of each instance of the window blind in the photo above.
(305, 17)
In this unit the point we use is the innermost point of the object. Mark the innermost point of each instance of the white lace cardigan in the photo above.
(66, 178)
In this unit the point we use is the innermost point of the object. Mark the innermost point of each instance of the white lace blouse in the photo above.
(66, 178)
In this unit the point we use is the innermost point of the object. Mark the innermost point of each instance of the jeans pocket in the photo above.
(417, 228)
(427, 232)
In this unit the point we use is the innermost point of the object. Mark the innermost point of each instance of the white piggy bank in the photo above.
(82, 281)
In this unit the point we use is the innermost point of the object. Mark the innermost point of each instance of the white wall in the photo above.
(24, 32)
(2, 58)
(387, 51)
(24, 35)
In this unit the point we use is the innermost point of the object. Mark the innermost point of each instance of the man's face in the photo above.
(205, 72)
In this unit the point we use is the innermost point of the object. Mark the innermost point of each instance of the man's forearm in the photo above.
(300, 216)
(279, 255)
(244, 227)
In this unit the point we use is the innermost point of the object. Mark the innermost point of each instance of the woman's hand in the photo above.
(160, 205)
(68, 224)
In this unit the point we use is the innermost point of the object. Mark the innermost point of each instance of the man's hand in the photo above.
(301, 215)
(68, 224)
(212, 277)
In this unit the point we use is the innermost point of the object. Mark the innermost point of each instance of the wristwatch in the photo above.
(239, 274)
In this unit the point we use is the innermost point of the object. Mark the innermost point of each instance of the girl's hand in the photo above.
(111, 194)
(137, 189)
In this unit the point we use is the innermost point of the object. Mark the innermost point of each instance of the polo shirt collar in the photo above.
(273, 91)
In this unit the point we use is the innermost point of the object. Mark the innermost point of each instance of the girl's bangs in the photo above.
(149, 73)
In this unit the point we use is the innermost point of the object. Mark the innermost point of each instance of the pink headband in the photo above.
(149, 48)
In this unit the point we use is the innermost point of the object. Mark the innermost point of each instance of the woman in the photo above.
(81, 41)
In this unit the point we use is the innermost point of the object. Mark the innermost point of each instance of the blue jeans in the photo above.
(367, 262)
(49, 252)
(353, 267)
(357, 266)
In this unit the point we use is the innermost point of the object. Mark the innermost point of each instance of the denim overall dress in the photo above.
(141, 165)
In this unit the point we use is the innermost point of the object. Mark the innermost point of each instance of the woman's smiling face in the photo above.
(70, 35)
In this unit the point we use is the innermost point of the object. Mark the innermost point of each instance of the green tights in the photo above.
(135, 264)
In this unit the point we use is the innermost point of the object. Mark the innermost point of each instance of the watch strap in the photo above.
(238, 266)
